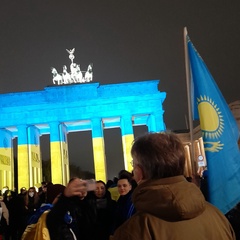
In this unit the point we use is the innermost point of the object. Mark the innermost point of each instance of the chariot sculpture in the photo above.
(75, 75)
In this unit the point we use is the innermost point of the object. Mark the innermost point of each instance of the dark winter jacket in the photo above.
(105, 208)
(172, 208)
(81, 221)
(124, 210)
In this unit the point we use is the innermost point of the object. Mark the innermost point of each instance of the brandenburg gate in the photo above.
(58, 110)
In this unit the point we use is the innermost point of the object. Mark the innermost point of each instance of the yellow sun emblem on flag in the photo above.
(211, 122)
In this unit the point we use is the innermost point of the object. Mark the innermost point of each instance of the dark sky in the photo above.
(126, 41)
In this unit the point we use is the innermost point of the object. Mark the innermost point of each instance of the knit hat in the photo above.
(53, 191)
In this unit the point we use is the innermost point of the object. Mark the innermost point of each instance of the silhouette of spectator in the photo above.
(109, 183)
(32, 202)
(80, 205)
(114, 190)
(125, 208)
(4, 220)
(36, 228)
(43, 185)
(42, 193)
(17, 214)
(105, 208)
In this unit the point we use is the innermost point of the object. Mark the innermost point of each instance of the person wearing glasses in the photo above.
(167, 205)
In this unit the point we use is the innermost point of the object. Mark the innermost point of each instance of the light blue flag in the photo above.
(220, 135)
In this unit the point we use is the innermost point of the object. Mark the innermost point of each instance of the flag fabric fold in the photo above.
(220, 134)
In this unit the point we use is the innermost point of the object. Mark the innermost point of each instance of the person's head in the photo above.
(8, 195)
(157, 155)
(124, 185)
(125, 174)
(31, 192)
(5, 189)
(81, 185)
(100, 189)
(109, 183)
(115, 180)
(53, 192)
(23, 191)
(43, 184)
(43, 187)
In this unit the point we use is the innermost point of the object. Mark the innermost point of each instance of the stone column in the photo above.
(6, 159)
(64, 149)
(35, 161)
(151, 123)
(24, 173)
(155, 122)
(57, 161)
(99, 150)
(127, 140)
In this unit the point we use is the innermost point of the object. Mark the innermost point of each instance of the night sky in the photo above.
(126, 41)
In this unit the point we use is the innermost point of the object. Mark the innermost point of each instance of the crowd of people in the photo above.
(99, 212)
(155, 201)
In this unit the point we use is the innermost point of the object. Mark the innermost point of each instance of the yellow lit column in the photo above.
(6, 159)
(99, 150)
(24, 173)
(56, 153)
(64, 153)
(127, 140)
(35, 161)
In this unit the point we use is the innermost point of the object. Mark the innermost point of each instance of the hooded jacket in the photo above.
(173, 208)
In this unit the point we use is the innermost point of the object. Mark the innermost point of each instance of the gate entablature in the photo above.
(80, 102)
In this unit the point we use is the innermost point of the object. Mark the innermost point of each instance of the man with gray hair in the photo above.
(167, 205)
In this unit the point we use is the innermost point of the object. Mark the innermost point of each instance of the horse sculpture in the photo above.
(89, 73)
(56, 76)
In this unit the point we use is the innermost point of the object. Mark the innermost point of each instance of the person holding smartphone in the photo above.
(74, 215)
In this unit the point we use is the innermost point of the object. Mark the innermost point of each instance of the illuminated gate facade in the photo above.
(58, 110)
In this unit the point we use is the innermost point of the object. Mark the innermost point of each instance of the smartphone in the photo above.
(91, 184)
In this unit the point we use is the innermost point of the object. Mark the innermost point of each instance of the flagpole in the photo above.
(188, 83)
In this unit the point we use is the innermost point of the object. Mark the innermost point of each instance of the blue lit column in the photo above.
(127, 140)
(151, 123)
(98, 149)
(155, 122)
